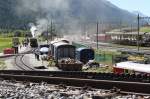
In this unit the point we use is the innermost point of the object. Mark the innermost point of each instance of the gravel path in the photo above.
(28, 90)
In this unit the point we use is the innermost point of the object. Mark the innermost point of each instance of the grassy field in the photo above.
(5, 43)
(145, 29)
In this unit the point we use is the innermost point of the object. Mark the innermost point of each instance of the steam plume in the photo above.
(33, 29)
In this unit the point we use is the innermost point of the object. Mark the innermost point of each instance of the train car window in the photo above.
(59, 53)
(72, 53)
(66, 52)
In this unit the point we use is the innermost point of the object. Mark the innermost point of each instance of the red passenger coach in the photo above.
(9, 51)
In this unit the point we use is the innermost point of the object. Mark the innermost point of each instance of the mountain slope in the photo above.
(19, 13)
(99, 10)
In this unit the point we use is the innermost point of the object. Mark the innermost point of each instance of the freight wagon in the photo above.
(53, 43)
(64, 55)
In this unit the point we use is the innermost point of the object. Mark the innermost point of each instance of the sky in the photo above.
(142, 6)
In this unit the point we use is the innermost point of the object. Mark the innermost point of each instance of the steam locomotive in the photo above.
(33, 42)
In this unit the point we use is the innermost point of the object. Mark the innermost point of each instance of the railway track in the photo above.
(83, 75)
(79, 79)
(100, 84)
(29, 51)
(21, 65)
(53, 91)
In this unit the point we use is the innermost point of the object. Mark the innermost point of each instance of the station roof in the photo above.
(127, 33)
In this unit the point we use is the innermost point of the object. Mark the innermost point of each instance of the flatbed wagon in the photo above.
(70, 67)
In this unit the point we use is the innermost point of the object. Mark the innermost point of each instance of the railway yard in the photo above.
(23, 79)
(74, 49)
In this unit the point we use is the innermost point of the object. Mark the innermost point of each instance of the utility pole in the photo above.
(131, 28)
(97, 34)
(84, 30)
(120, 23)
(47, 31)
(47, 34)
(51, 30)
(138, 43)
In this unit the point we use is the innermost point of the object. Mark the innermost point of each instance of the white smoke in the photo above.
(33, 29)
(45, 11)
(42, 7)
(42, 25)
(57, 11)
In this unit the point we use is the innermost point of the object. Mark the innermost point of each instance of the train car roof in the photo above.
(62, 40)
(83, 48)
(61, 43)
(52, 42)
(130, 65)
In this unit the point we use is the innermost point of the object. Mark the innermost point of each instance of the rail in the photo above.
(19, 60)
(86, 75)
(21, 64)
(101, 84)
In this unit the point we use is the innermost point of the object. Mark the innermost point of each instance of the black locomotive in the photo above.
(33, 42)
